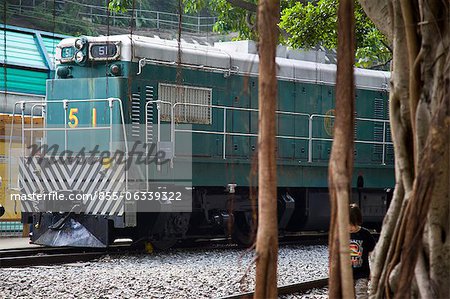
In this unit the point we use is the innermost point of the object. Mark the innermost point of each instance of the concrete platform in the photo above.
(16, 243)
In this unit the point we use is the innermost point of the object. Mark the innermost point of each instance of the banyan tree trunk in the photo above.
(267, 235)
(412, 257)
(341, 160)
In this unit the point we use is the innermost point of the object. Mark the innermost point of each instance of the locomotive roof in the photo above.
(232, 57)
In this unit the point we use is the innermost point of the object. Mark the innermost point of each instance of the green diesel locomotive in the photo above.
(197, 106)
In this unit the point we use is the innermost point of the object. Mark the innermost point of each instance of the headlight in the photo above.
(115, 69)
(79, 57)
(79, 43)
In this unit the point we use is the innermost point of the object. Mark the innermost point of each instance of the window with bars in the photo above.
(193, 103)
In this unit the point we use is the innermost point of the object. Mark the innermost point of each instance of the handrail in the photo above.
(43, 105)
(224, 133)
(172, 137)
(226, 71)
(65, 103)
(159, 117)
(375, 120)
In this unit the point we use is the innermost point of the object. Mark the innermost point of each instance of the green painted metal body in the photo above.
(82, 89)
(209, 167)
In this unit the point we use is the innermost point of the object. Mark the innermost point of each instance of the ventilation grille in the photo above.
(379, 109)
(389, 147)
(378, 113)
(149, 118)
(135, 114)
(186, 95)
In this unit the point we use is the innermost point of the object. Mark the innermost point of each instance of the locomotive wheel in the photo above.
(176, 226)
(244, 229)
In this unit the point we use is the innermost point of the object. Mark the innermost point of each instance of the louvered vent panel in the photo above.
(378, 113)
(389, 147)
(186, 94)
(378, 109)
(135, 114)
(149, 119)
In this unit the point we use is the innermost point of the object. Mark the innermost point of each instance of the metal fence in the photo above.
(11, 229)
(140, 18)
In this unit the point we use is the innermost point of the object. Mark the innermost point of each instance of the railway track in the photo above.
(226, 243)
(51, 259)
(288, 289)
(40, 256)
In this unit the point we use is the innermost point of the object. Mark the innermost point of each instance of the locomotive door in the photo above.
(324, 124)
(243, 123)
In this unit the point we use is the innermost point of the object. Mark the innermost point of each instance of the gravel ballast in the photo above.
(176, 273)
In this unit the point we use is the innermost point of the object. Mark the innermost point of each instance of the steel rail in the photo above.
(287, 289)
(38, 256)
(28, 251)
(20, 252)
(50, 259)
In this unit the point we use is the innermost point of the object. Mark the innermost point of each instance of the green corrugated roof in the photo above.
(29, 59)
(21, 50)
(50, 46)
(24, 81)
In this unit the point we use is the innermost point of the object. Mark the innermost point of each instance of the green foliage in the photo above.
(229, 18)
(307, 25)
(120, 5)
(44, 18)
(299, 20)
(156, 5)
(310, 24)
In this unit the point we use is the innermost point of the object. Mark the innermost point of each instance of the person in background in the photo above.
(361, 244)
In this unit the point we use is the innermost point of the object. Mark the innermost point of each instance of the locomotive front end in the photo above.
(67, 166)
(95, 165)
